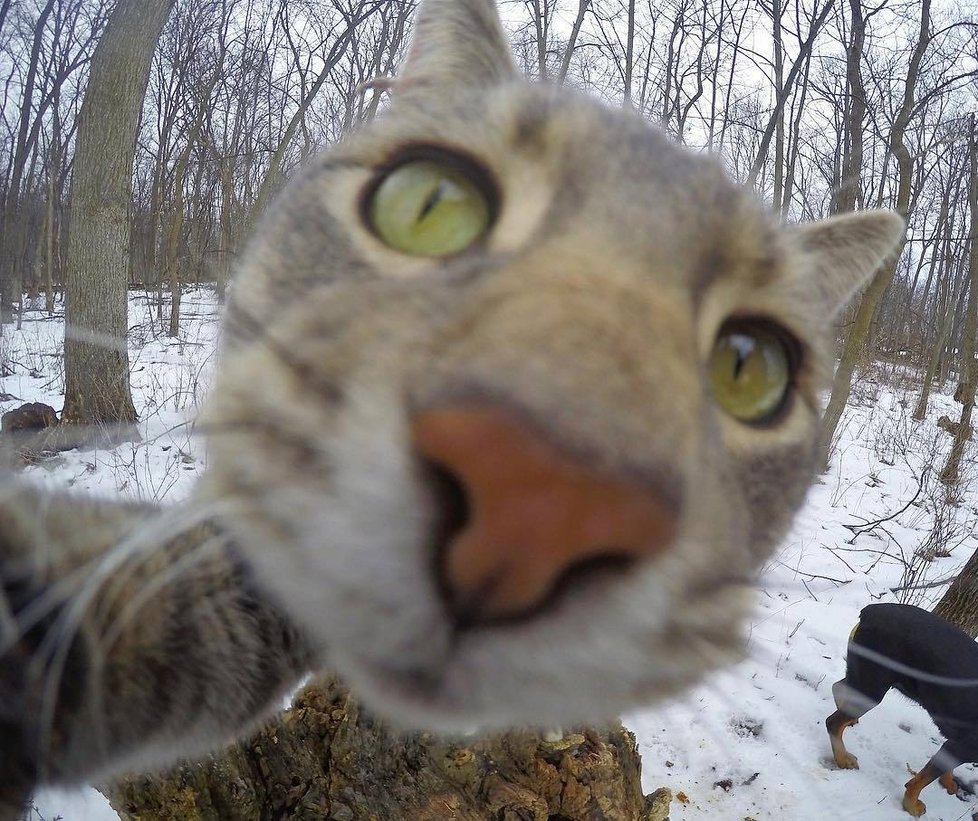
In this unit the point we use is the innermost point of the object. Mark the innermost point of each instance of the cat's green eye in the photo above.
(428, 208)
(750, 373)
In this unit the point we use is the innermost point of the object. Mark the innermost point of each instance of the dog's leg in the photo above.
(939, 767)
(852, 706)
(836, 725)
(911, 798)
(948, 783)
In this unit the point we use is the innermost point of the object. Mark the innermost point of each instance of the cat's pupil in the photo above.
(743, 348)
(434, 198)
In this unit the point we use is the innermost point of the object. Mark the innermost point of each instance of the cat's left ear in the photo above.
(847, 251)
(457, 45)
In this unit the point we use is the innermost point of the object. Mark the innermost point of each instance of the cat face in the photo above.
(517, 395)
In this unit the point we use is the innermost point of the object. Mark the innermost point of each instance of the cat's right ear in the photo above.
(457, 45)
(847, 250)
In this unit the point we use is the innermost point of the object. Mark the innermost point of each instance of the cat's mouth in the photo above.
(414, 689)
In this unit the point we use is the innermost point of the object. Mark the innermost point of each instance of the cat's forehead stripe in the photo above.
(530, 126)
(339, 162)
(753, 258)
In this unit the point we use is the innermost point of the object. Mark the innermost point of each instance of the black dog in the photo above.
(930, 661)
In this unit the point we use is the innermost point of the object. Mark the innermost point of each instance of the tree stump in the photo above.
(325, 759)
(24, 432)
(31, 417)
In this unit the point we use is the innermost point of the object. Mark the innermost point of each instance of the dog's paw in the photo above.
(846, 761)
(914, 806)
(949, 784)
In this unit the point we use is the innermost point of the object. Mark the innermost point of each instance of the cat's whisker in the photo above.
(134, 604)
(139, 547)
(910, 670)
(111, 342)
(54, 596)
(883, 660)
(131, 610)
(94, 571)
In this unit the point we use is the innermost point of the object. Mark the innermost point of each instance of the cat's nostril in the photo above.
(612, 562)
(520, 521)
(451, 503)
(476, 607)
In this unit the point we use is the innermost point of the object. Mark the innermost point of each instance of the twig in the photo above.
(924, 585)
(833, 551)
(823, 578)
(858, 530)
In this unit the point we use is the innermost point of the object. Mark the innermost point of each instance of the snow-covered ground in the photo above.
(750, 743)
(758, 728)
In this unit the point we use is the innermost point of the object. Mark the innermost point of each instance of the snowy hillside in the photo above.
(751, 743)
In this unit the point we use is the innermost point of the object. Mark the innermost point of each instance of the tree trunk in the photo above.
(540, 22)
(965, 392)
(795, 142)
(13, 229)
(852, 350)
(174, 234)
(54, 164)
(948, 279)
(630, 56)
(777, 10)
(677, 25)
(226, 248)
(565, 62)
(960, 604)
(325, 759)
(949, 296)
(848, 189)
(97, 389)
(777, 115)
(153, 274)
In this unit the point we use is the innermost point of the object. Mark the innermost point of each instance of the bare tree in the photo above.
(360, 12)
(11, 230)
(784, 89)
(948, 269)
(97, 393)
(965, 393)
(859, 331)
(571, 45)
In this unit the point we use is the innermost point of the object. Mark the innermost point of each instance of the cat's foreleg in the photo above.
(129, 637)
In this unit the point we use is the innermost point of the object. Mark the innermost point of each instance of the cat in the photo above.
(515, 398)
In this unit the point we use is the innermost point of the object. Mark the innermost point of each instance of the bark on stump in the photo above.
(324, 759)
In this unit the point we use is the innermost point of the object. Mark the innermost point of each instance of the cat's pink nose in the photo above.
(531, 516)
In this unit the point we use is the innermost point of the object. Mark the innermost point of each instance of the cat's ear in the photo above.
(457, 45)
(847, 251)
